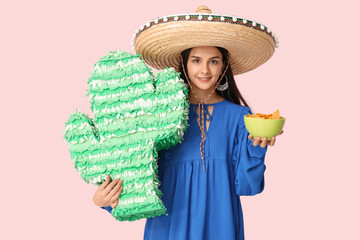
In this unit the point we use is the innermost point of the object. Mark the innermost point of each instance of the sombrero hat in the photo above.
(161, 41)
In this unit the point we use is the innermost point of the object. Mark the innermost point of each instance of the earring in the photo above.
(224, 86)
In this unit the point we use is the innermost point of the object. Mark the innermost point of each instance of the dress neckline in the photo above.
(209, 104)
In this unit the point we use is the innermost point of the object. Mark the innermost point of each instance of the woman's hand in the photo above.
(108, 193)
(263, 142)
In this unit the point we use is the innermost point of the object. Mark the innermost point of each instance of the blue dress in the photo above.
(206, 204)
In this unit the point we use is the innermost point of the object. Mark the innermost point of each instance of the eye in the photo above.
(213, 61)
(196, 61)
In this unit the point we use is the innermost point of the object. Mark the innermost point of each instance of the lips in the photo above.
(204, 79)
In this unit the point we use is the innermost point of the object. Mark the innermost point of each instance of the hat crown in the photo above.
(161, 41)
(203, 9)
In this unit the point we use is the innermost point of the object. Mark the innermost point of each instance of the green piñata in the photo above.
(135, 116)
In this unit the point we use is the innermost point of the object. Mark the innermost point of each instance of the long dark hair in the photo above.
(232, 93)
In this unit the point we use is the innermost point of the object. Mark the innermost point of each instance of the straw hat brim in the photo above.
(161, 42)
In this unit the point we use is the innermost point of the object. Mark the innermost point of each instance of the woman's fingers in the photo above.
(115, 204)
(105, 183)
(111, 186)
(115, 189)
(117, 195)
(256, 141)
(108, 192)
(272, 142)
(264, 142)
(115, 199)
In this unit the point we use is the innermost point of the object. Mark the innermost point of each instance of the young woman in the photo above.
(201, 185)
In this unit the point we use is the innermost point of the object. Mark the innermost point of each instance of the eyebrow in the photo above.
(200, 57)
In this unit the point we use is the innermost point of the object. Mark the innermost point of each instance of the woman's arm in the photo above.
(250, 167)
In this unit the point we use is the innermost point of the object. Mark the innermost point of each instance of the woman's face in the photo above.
(204, 67)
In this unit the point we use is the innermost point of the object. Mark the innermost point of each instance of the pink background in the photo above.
(48, 49)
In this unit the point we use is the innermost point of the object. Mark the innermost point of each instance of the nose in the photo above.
(205, 69)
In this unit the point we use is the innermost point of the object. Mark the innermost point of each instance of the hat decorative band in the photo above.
(160, 41)
(207, 17)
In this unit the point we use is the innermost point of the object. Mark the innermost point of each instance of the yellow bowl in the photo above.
(264, 127)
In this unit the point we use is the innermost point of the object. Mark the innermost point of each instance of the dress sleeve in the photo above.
(108, 208)
(249, 162)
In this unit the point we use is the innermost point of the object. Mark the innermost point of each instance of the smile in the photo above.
(204, 79)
